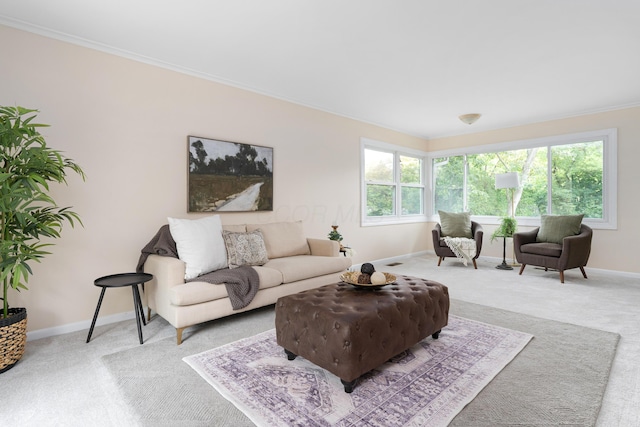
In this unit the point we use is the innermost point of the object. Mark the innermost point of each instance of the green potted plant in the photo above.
(334, 234)
(27, 215)
(506, 228)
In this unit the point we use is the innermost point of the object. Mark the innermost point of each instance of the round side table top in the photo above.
(122, 279)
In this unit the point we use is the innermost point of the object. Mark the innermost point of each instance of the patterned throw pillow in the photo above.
(245, 248)
(455, 224)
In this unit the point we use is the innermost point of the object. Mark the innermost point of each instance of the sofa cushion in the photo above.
(269, 277)
(238, 228)
(200, 244)
(283, 239)
(554, 228)
(198, 292)
(245, 248)
(455, 224)
(301, 267)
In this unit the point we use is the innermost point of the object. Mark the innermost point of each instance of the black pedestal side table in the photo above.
(118, 281)
(504, 265)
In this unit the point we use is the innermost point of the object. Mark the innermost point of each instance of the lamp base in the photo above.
(504, 266)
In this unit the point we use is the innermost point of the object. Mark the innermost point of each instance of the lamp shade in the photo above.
(507, 180)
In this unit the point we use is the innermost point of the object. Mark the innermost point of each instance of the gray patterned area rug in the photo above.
(426, 385)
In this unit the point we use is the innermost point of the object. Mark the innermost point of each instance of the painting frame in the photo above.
(228, 176)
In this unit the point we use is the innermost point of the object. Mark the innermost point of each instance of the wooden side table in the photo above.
(118, 281)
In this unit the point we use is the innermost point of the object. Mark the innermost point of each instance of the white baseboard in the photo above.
(78, 326)
(497, 260)
(356, 267)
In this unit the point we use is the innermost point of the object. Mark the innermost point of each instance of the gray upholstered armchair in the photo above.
(572, 253)
(442, 250)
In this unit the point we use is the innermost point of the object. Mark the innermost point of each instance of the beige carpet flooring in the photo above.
(61, 380)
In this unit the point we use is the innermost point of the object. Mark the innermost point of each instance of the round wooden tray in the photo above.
(351, 277)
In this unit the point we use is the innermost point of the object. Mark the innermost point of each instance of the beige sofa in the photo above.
(295, 264)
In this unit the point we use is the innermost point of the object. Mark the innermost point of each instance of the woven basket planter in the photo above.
(13, 337)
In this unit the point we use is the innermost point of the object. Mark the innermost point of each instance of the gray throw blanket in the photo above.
(242, 283)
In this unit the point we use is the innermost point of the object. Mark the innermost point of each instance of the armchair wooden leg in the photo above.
(475, 265)
(439, 260)
(148, 314)
(179, 335)
(561, 276)
(583, 273)
(522, 268)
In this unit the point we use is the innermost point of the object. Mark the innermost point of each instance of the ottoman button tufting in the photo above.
(349, 332)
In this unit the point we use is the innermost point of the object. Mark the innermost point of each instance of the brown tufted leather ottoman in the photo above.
(349, 331)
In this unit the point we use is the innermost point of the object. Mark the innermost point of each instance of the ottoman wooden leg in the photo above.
(435, 335)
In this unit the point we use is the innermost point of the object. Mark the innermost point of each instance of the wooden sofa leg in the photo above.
(561, 276)
(522, 268)
(439, 260)
(179, 335)
(475, 265)
(148, 314)
(583, 273)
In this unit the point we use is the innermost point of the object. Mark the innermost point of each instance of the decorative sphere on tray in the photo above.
(367, 268)
(378, 278)
(364, 279)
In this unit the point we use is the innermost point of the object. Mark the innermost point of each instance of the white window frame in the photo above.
(397, 151)
(609, 172)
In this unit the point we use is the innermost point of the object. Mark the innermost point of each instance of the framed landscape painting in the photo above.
(229, 176)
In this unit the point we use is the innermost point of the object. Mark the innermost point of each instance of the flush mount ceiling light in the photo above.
(469, 118)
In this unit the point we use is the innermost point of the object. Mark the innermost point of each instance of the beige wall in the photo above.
(126, 124)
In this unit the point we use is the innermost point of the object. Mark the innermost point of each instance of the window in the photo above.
(393, 184)
(560, 175)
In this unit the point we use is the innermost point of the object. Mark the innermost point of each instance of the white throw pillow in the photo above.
(200, 244)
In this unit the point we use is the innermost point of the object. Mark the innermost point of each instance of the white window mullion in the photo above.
(398, 185)
(549, 180)
(397, 217)
(465, 189)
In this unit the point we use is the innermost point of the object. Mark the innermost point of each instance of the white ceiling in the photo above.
(409, 65)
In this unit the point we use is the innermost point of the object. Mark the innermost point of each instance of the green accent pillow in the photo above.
(554, 228)
(455, 224)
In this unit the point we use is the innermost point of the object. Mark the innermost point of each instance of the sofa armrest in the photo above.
(522, 238)
(324, 247)
(576, 249)
(167, 271)
(436, 234)
(478, 235)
